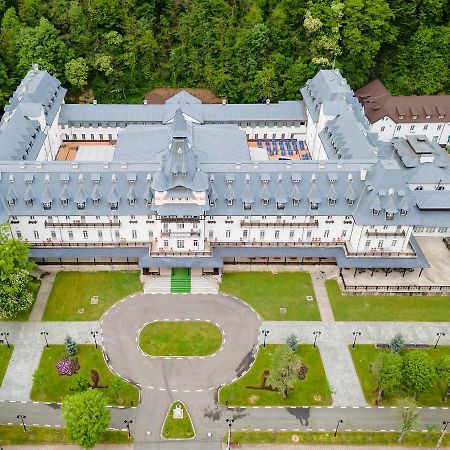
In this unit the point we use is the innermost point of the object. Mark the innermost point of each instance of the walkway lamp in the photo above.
(439, 335)
(21, 417)
(355, 334)
(229, 422)
(94, 335)
(5, 334)
(337, 427)
(128, 423)
(441, 437)
(45, 334)
(316, 335)
(265, 333)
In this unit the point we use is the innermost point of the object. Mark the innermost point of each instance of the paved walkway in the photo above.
(42, 297)
(28, 346)
(323, 302)
(67, 447)
(321, 447)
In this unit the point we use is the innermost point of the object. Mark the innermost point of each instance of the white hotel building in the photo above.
(176, 185)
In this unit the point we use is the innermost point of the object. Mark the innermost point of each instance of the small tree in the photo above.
(409, 416)
(116, 387)
(80, 384)
(71, 346)
(387, 370)
(86, 417)
(443, 371)
(39, 378)
(397, 343)
(418, 372)
(284, 372)
(291, 342)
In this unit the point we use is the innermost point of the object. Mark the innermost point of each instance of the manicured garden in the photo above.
(365, 358)
(70, 298)
(14, 435)
(428, 439)
(178, 428)
(180, 338)
(50, 386)
(23, 316)
(253, 388)
(5, 356)
(267, 293)
(404, 308)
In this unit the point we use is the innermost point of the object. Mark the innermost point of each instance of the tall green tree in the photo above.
(443, 371)
(409, 416)
(387, 370)
(418, 372)
(15, 269)
(86, 416)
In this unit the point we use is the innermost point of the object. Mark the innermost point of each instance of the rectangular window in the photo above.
(394, 243)
(262, 233)
(380, 244)
(180, 243)
(245, 233)
(382, 128)
(166, 244)
(228, 233)
(326, 233)
(19, 234)
(367, 244)
(85, 234)
(117, 234)
(53, 233)
(308, 233)
(344, 233)
(71, 235)
(211, 234)
(291, 234)
(36, 234)
(195, 243)
(277, 234)
(425, 127)
(100, 235)
(134, 234)
(399, 127)
(411, 128)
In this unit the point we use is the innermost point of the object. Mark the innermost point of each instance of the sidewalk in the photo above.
(42, 297)
(322, 447)
(323, 302)
(67, 447)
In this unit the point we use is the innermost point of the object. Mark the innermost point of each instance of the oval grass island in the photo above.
(180, 338)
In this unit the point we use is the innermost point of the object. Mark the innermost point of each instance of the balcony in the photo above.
(45, 244)
(180, 233)
(115, 223)
(280, 224)
(385, 233)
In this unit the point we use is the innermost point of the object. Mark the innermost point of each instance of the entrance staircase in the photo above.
(180, 282)
(202, 284)
(197, 284)
(156, 284)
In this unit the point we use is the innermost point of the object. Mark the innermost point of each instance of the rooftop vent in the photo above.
(145, 101)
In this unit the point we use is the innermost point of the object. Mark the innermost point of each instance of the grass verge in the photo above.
(313, 390)
(72, 292)
(177, 428)
(14, 435)
(351, 438)
(364, 355)
(54, 387)
(5, 356)
(267, 293)
(401, 308)
(180, 339)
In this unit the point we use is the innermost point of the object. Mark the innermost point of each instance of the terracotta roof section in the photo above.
(378, 103)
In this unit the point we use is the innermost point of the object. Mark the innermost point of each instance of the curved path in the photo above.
(239, 324)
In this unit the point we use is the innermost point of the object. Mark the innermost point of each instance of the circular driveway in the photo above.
(238, 323)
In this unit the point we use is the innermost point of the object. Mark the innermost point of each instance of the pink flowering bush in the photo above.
(68, 366)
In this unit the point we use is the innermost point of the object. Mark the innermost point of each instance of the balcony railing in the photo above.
(46, 244)
(385, 233)
(77, 224)
(280, 224)
(179, 233)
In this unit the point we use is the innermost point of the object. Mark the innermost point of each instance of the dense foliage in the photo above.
(245, 50)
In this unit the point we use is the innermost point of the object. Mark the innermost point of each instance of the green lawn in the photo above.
(180, 338)
(23, 316)
(56, 386)
(405, 308)
(364, 355)
(367, 438)
(14, 435)
(73, 290)
(313, 390)
(5, 356)
(268, 292)
(177, 428)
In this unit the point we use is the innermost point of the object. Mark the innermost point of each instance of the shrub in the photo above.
(39, 378)
(68, 366)
(71, 346)
(291, 342)
(397, 343)
(80, 384)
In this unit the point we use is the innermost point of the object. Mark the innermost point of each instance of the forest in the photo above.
(244, 50)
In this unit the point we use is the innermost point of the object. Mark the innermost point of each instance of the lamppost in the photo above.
(45, 334)
(94, 335)
(5, 334)
(439, 335)
(316, 334)
(441, 437)
(355, 334)
(337, 426)
(21, 417)
(265, 333)
(229, 422)
(127, 423)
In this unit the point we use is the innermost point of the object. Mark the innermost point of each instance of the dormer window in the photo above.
(403, 212)
(247, 206)
(148, 202)
(114, 205)
(265, 202)
(376, 212)
(47, 205)
(331, 202)
(389, 216)
(281, 205)
(29, 202)
(350, 202)
(400, 117)
(132, 201)
(418, 188)
(295, 202)
(314, 205)
(65, 201)
(11, 202)
(414, 117)
(96, 201)
(230, 202)
(81, 205)
(212, 203)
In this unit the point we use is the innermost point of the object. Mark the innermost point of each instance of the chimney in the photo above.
(94, 102)
(268, 101)
(224, 101)
(363, 173)
(145, 101)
